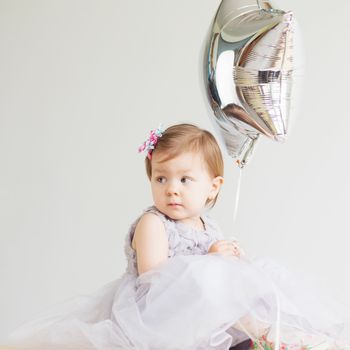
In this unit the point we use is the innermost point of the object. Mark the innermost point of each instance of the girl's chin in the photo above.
(173, 212)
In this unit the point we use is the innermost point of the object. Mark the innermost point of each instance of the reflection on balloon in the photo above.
(248, 73)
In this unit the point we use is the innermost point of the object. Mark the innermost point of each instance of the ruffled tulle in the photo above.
(192, 302)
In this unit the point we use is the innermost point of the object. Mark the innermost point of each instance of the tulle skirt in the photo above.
(194, 302)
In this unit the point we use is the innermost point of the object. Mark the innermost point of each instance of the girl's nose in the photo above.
(172, 189)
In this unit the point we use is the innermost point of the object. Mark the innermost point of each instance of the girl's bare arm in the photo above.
(150, 242)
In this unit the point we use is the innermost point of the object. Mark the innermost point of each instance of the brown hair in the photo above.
(190, 138)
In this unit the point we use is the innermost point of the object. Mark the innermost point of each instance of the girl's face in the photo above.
(182, 185)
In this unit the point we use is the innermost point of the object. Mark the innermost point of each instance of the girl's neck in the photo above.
(197, 223)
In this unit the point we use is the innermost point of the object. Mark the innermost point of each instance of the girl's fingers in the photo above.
(234, 246)
(229, 250)
(227, 243)
(228, 247)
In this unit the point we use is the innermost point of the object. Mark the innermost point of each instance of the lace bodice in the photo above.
(183, 239)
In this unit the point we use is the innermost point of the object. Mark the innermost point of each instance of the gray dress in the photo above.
(191, 301)
(183, 239)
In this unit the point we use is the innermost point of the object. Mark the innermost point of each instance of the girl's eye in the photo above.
(160, 179)
(185, 180)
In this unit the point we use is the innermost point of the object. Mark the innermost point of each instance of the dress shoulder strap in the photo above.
(213, 228)
(154, 210)
(151, 209)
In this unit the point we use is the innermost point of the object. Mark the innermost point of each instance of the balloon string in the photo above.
(278, 318)
(278, 311)
(238, 190)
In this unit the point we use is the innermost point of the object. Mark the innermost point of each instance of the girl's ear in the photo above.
(217, 182)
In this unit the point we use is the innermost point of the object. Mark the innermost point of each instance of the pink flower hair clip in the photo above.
(151, 142)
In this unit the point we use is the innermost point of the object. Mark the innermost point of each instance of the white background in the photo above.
(81, 85)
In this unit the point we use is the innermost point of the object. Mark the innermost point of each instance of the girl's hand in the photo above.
(227, 248)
